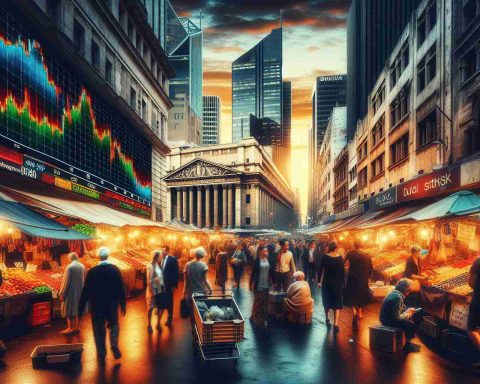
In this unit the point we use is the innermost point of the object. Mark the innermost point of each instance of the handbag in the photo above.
(184, 309)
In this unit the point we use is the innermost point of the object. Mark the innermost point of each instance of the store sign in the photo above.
(429, 185)
(466, 232)
(384, 199)
(356, 210)
(459, 315)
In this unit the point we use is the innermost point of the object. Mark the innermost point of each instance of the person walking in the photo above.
(357, 292)
(311, 261)
(238, 261)
(261, 279)
(171, 276)
(70, 292)
(196, 275)
(285, 267)
(155, 292)
(105, 292)
(221, 268)
(331, 280)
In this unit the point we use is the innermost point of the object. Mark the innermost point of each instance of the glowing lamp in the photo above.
(391, 233)
(424, 233)
(9, 231)
(117, 239)
(341, 238)
(364, 237)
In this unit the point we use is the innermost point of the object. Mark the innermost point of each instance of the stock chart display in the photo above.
(54, 130)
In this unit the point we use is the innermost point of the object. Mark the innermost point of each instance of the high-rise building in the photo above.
(183, 41)
(257, 85)
(287, 127)
(211, 120)
(328, 92)
(373, 29)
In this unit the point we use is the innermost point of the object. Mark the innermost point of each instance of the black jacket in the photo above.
(105, 291)
(171, 273)
(256, 272)
(317, 257)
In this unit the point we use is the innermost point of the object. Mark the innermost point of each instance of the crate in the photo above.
(387, 339)
(455, 341)
(41, 313)
(430, 326)
(226, 331)
(296, 318)
(45, 356)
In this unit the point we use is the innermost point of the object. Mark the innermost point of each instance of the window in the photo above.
(144, 109)
(247, 198)
(426, 22)
(362, 178)
(363, 150)
(469, 65)
(138, 44)
(399, 150)
(399, 65)
(471, 141)
(247, 221)
(95, 54)
(78, 36)
(427, 69)
(378, 165)
(109, 71)
(427, 129)
(469, 12)
(378, 131)
(130, 30)
(133, 98)
(378, 99)
(400, 106)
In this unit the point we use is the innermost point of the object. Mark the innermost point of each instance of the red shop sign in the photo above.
(12, 156)
(443, 180)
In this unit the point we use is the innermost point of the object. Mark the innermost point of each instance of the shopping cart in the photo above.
(217, 340)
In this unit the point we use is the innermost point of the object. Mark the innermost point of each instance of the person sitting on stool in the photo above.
(393, 312)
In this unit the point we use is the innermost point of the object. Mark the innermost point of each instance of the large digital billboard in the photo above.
(54, 130)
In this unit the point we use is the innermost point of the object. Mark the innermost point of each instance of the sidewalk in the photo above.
(283, 354)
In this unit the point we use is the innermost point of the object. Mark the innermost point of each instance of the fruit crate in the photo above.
(224, 331)
(430, 326)
(41, 313)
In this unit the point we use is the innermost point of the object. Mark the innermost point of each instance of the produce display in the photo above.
(51, 279)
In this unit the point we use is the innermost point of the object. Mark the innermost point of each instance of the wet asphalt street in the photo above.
(282, 354)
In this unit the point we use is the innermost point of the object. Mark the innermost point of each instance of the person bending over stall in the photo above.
(299, 297)
(394, 313)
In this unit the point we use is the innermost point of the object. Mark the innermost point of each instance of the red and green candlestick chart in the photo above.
(62, 122)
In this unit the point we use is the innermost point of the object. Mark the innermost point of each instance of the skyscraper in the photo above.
(257, 85)
(287, 127)
(373, 28)
(183, 41)
(328, 92)
(211, 120)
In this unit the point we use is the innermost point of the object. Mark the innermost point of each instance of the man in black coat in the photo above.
(311, 261)
(105, 291)
(170, 280)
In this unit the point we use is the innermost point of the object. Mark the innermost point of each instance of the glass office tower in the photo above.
(257, 86)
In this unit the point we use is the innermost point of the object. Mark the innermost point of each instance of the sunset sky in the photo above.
(314, 44)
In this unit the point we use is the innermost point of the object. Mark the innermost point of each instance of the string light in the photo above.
(391, 234)
(365, 237)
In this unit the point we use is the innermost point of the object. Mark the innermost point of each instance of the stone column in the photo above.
(230, 206)
(208, 223)
(215, 206)
(238, 205)
(224, 191)
(199, 207)
(179, 204)
(184, 206)
(190, 206)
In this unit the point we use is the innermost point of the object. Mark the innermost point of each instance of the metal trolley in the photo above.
(217, 340)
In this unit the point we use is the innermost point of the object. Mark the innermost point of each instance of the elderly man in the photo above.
(105, 291)
(394, 313)
(70, 291)
(299, 297)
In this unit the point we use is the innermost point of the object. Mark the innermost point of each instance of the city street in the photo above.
(284, 353)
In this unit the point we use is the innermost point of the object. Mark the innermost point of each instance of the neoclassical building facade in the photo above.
(228, 186)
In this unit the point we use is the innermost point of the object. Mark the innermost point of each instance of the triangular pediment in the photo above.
(201, 169)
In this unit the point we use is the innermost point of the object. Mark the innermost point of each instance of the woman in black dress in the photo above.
(357, 292)
(331, 280)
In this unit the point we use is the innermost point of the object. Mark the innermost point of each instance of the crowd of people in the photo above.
(275, 264)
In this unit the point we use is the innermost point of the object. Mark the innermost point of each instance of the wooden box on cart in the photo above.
(224, 331)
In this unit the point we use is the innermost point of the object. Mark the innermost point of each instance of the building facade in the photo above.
(406, 129)
(285, 162)
(333, 143)
(373, 29)
(212, 106)
(341, 181)
(257, 85)
(229, 186)
(99, 60)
